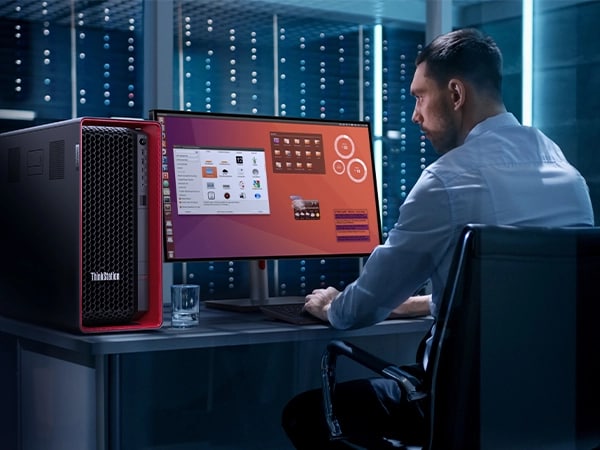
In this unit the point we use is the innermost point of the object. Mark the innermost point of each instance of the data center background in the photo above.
(64, 59)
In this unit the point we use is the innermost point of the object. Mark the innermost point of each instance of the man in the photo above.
(491, 170)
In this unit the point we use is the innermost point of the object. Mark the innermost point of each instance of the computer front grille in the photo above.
(109, 224)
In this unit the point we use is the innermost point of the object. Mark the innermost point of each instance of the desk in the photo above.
(220, 385)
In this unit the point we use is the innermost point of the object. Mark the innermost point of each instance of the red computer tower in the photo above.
(81, 227)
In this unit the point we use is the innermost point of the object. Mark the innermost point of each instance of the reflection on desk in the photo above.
(216, 329)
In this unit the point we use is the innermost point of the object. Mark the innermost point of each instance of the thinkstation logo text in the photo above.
(105, 276)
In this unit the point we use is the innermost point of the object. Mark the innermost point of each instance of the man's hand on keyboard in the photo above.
(318, 302)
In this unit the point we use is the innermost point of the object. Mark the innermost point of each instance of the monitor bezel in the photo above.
(155, 113)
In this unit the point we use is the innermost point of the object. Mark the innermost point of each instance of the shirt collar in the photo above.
(492, 124)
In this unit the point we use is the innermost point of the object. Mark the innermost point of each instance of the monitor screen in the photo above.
(255, 187)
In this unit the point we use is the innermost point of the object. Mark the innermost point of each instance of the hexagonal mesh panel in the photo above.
(109, 220)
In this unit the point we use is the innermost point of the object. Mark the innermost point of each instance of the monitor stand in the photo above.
(259, 293)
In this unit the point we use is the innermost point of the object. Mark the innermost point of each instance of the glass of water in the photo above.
(185, 304)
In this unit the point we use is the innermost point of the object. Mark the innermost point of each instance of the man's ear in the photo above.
(457, 92)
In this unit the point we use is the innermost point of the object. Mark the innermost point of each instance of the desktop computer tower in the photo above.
(81, 225)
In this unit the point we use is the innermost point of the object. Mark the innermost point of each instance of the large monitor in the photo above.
(256, 187)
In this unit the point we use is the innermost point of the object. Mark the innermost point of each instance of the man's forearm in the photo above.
(417, 305)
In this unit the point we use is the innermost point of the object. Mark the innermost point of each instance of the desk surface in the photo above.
(216, 329)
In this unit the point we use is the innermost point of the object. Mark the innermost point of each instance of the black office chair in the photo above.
(515, 350)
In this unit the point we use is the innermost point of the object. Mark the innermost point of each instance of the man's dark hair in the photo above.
(468, 54)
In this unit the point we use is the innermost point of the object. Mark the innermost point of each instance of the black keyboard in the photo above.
(294, 313)
(291, 313)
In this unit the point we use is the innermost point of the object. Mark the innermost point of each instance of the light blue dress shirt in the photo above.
(504, 173)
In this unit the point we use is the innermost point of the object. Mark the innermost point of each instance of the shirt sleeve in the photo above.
(407, 259)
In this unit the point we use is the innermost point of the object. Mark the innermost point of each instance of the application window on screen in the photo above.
(221, 181)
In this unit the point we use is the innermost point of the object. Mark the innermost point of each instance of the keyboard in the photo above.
(291, 313)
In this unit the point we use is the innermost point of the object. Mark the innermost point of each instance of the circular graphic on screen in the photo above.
(339, 167)
(344, 146)
(357, 170)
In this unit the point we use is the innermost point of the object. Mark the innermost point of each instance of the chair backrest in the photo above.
(515, 353)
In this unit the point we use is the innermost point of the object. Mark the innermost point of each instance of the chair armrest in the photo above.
(385, 369)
